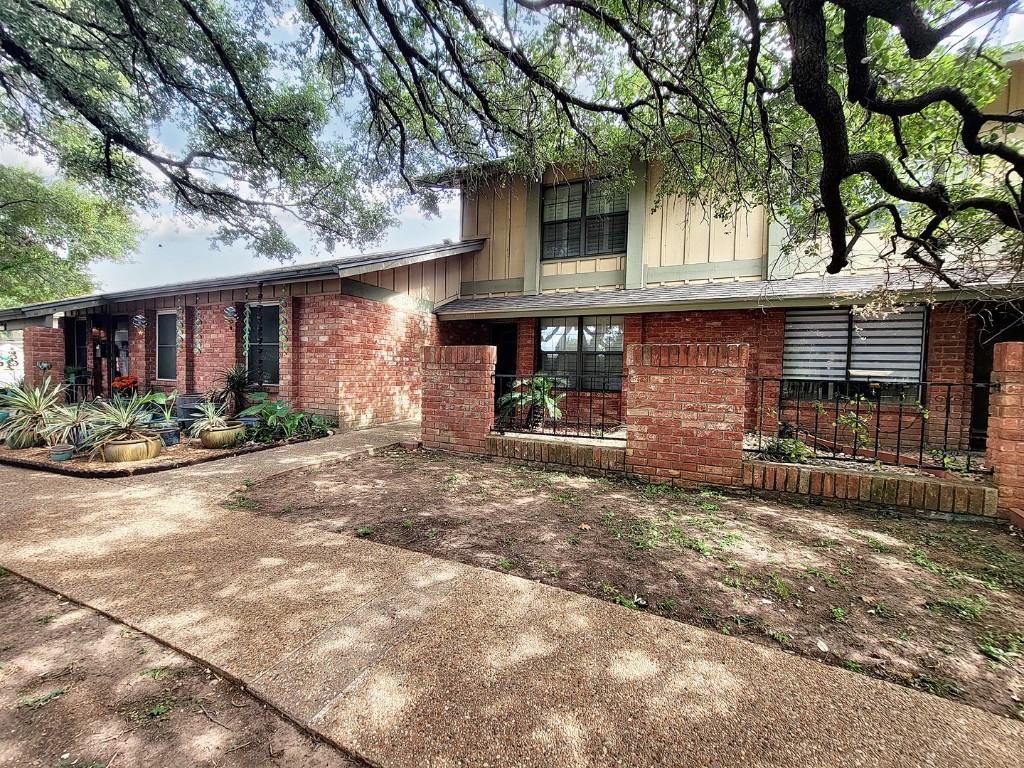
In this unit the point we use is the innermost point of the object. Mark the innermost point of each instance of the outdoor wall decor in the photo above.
(282, 329)
(139, 321)
(246, 322)
(197, 331)
(230, 315)
(179, 327)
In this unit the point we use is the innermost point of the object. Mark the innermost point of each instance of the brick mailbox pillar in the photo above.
(685, 405)
(43, 345)
(1005, 443)
(458, 397)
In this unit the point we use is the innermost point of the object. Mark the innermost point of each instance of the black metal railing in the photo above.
(917, 424)
(587, 405)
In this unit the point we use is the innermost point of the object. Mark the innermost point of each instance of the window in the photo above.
(585, 350)
(167, 345)
(834, 346)
(264, 361)
(582, 219)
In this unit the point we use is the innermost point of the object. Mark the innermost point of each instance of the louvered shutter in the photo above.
(815, 344)
(889, 349)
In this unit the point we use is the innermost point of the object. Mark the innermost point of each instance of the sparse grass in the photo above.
(667, 606)
(407, 523)
(46, 618)
(838, 614)
(288, 508)
(969, 608)
(573, 541)
(241, 501)
(505, 564)
(634, 603)
(154, 672)
(852, 666)
(432, 533)
(450, 483)
(882, 611)
(35, 702)
(937, 686)
(364, 531)
(779, 587)
(1003, 648)
(697, 545)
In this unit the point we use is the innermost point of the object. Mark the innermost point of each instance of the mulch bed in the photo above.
(185, 454)
(935, 605)
(77, 689)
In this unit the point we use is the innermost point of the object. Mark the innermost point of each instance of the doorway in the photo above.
(994, 326)
(505, 336)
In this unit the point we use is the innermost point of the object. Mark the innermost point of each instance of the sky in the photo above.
(174, 249)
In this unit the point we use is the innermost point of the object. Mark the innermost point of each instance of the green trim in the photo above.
(477, 287)
(742, 268)
(531, 246)
(635, 226)
(384, 296)
(609, 279)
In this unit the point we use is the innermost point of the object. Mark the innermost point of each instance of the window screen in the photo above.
(166, 346)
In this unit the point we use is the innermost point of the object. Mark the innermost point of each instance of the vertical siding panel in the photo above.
(698, 241)
(517, 228)
(501, 214)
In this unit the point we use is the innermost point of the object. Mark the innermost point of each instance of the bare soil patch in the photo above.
(77, 689)
(935, 605)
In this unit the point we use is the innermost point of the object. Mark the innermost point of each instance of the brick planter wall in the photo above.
(685, 407)
(560, 455)
(1005, 447)
(458, 397)
(881, 488)
(43, 345)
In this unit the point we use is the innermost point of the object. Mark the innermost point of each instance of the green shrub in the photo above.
(789, 450)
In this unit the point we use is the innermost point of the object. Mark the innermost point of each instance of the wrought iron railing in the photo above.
(587, 405)
(912, 424)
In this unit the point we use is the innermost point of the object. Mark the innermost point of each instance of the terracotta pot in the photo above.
(222, 437)
(131, 450)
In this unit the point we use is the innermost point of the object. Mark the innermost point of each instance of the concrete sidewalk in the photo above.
(406, 660)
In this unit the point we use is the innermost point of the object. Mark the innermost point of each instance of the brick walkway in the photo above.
(406, 660)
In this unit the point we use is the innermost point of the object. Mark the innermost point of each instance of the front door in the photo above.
(505, 336)
(994, 327)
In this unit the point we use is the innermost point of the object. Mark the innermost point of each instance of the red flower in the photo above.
(126, 382)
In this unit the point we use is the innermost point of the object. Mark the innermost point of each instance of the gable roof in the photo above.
(347, 266)
(841, 289)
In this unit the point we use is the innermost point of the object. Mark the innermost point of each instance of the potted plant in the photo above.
(167, 426)
(120, 429)
(125, 386)
(236, 386)
(67, 425)
(213, 430)
(28, 407)
(531, 399)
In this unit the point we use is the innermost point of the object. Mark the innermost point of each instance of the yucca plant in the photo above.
(68, 424)
(236, 385)
(28, 406)
(211, 416)
(123, 418)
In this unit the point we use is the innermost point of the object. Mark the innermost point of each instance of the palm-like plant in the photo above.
(68, 424)
(211, 416)
(29, 406)
(236, 385)
(534, 397)
(123, 418)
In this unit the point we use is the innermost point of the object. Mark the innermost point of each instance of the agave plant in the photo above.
(123, 418)
(68, 424)
(28, 406)
(211, 416)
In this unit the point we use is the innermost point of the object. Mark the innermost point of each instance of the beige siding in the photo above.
(496, 211)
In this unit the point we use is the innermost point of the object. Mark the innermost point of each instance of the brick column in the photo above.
(526, 343)
(289, 389)
(684, 412)
(43, 345)
(1006, 429)
(458, 397)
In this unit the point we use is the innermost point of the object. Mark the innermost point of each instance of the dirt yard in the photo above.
(935, 605)
(77, 689)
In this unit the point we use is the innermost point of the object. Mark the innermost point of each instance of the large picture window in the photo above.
(583, 219)
(587, 351)
(833, 345)
(167, 346)
(264, 360)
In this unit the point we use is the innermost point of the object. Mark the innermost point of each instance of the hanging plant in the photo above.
(197, 332)
(139, 321)
(282, 327)
(230, 315)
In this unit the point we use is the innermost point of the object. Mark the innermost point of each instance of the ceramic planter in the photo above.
(61, 452)
(169, 435)
(20, 440)
(139, 449)
(250, 421)
(222, 437)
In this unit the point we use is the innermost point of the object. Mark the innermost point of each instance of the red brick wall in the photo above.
(43, 345)
(685, 412)
(221, 349)
(526, 342)
(456, 333)
(1006, 429)
(458, 397)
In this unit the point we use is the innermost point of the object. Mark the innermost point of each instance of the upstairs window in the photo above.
(582, 219)
(586, 351)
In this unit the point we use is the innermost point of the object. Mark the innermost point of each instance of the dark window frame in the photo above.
(581, 375)
(275, 343)
(173, 345)
(583, 218)
(881, 391)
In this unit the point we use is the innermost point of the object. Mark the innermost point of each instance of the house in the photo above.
(339, 338)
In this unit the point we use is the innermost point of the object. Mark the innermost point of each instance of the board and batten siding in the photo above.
(496, 210)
